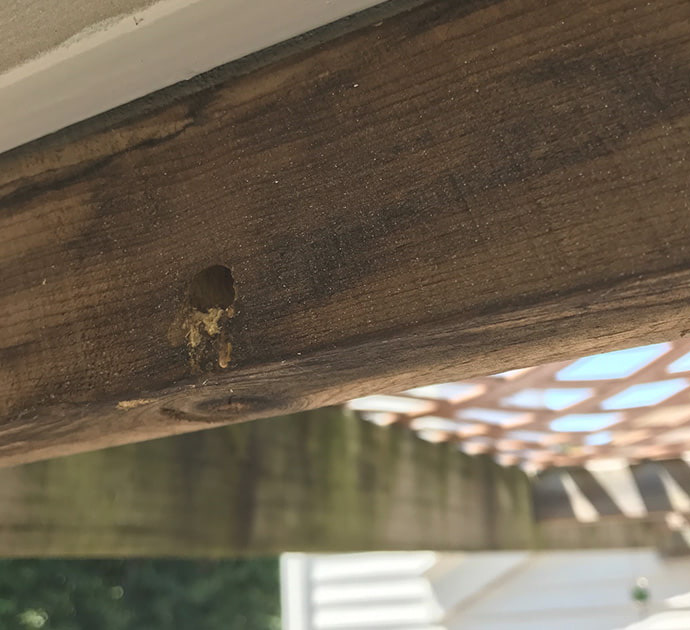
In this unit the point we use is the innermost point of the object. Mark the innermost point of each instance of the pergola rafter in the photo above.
(634, 432)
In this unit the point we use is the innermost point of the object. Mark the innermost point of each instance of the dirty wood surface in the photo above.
(459, 189)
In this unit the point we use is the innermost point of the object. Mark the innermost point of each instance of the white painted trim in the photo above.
(168, 42)
(296, 591)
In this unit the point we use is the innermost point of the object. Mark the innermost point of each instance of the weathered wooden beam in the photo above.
(320, 481)
(460, 189)
(610, 533)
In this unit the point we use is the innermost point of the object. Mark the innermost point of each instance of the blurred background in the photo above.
(555, 496)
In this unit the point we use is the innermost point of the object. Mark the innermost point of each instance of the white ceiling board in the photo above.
(119, 60)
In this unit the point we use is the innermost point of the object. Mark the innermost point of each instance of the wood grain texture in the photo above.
(461, 189)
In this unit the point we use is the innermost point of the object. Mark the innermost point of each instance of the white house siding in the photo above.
(584, 590)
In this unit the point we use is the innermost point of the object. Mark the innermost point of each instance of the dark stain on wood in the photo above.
(464, 188)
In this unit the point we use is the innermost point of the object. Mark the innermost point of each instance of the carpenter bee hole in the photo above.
(212, 287)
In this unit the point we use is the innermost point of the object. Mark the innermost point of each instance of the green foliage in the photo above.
(240, 594)
(640, 593)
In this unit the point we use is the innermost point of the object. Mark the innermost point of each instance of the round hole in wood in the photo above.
(212, 287)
